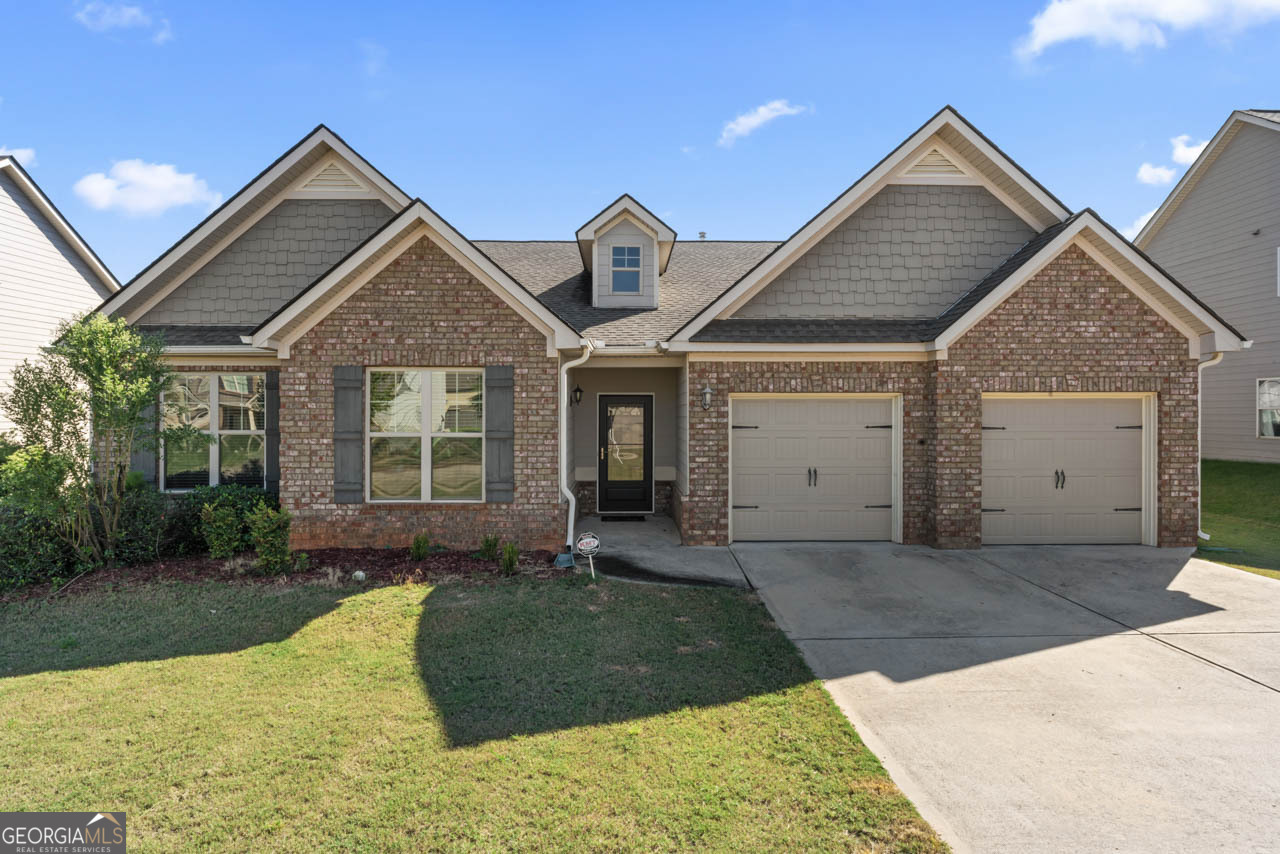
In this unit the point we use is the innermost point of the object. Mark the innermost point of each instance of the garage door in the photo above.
(1062, 471)
(812, 468)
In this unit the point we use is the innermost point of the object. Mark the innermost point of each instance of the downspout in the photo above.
(587, 349)
(1207, 363)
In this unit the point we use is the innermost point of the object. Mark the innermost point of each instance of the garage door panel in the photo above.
(1078, 437)
(774, 496)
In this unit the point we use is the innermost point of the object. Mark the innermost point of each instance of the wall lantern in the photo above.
(706, 397)
(577, 394)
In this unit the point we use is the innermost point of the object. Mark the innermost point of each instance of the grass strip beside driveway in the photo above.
(557, 715)
(1241, 511)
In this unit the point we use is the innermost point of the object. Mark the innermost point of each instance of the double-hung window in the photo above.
(1269, 408)
(426, 435)
(228, 410)
(625, 271)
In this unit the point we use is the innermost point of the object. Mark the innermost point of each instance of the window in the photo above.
(426, 435)
(626, 270)
(230, 410)
(1269, 408)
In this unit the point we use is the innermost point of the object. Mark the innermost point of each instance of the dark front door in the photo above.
(624, 483)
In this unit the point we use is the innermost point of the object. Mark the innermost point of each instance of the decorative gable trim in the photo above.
(416, 221)
(230, 220)
(888, 171)
(644, 218)
(1191, 178)
(11, 167)
(331, 179)
(934, 163)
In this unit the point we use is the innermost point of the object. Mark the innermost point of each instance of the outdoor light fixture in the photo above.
(706, 397)
(577, 394)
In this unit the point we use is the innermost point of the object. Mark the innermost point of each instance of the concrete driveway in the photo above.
(1076, 698)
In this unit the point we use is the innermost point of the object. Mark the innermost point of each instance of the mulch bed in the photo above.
(380, 566)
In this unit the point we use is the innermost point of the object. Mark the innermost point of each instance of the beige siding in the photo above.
(625, 233)
(42, 282)
(661, 382)
(1210, 246)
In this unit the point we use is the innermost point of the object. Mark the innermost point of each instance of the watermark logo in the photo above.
(62, 833)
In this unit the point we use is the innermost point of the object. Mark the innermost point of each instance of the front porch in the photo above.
(652, 545)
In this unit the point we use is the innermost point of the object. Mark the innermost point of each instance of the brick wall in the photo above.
(1071, 328)
(423, 310)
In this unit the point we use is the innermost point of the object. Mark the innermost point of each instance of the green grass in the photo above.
(555, 715)
(1241, 510)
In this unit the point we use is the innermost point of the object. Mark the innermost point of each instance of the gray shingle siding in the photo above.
(910, 251)
(271, 262)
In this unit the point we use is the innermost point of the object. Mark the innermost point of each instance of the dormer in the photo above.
(626, 249)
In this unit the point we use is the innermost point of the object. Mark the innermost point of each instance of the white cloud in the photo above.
(25, 156)
(102, 17)
(748, 122)
(144, 189)
(1184, 152)
(1132, 24)
(1156, 175)
(375, 57)
(1131, 231)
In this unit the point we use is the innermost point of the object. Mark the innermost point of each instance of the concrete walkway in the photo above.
(1050, 699)
(652, 544)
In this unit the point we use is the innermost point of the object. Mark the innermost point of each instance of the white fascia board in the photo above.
(14, 170)
(635, 209)
(850, 201)
(218, 350)
(322, 136)
(1192, 175)
(796, 347)
(273, 334)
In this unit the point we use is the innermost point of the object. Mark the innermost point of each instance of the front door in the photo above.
(624, 483)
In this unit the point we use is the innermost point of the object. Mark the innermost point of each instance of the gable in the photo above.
(909, 251)
(270, 263)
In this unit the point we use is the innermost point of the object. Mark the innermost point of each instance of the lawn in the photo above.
(549, 715)
(1241, 511)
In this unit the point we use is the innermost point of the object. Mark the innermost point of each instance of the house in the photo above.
(1219, 233)
(48, 274)
(945, 355)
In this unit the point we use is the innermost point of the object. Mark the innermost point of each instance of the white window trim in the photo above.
(214, 431)
(638, 268)
(1258, 407)
(425, 434)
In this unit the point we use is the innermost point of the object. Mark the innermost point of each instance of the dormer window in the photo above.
(625, 273)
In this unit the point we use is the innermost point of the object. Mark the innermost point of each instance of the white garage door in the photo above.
(812, 468)
(1067, 470)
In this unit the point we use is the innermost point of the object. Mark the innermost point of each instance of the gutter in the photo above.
(1208, 363)
(566, 557)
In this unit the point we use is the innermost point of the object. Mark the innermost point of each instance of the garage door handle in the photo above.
(810, 473)
(815, 475)
(1057, 479)
(1064, 478)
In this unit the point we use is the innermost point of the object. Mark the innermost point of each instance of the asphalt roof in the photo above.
(698, 272)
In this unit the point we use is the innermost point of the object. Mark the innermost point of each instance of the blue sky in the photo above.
(521, 121)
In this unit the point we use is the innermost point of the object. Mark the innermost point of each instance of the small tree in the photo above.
(82, 409)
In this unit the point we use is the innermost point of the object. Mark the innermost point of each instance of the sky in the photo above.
(522, 121)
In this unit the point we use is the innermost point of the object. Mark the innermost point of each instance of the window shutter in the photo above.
(271, 408)
(348, 434)
(499, 433)
(145, 460)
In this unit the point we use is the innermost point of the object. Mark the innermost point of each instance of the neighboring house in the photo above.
(1219, 233)
(48, 274)
(944, 355)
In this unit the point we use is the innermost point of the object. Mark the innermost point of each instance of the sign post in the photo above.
(589, 544)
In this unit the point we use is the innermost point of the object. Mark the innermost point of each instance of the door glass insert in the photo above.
(625, 442)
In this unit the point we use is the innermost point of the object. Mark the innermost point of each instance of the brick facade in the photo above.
(422, 310)
(1072, 328)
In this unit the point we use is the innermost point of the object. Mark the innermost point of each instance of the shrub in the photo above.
(510, 558)
(141, 525)
(183, 534)
(489, 547)
(222, 530)
(421, 547)
(30, 550)
(269, 529)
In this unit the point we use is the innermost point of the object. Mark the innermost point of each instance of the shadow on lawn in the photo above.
(152, 623)
(531, 658)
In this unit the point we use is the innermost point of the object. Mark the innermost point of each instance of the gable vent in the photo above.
(333, 177)
(934, 163)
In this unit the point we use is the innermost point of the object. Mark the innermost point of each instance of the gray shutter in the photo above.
(348, 434)
(271, 406)
(144, 460)
(499, 433)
